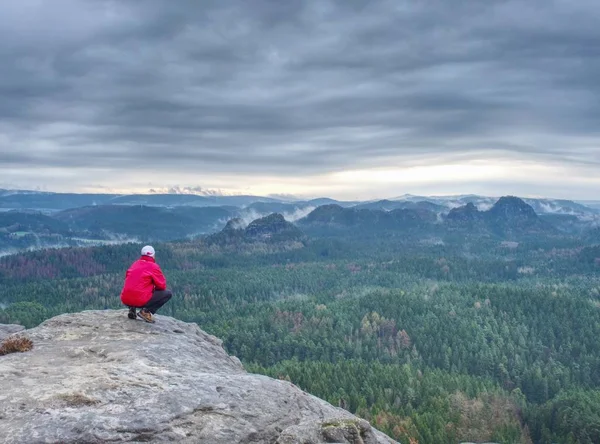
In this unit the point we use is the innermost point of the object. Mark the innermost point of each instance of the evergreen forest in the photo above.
(464, 338)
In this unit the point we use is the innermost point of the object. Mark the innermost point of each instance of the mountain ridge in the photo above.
(508, 217)
(109, 223)
(51, 201)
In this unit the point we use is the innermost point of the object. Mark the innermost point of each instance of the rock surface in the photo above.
(9, 329)
(97, 376)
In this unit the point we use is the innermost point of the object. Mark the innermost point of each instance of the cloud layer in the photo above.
(123, 94)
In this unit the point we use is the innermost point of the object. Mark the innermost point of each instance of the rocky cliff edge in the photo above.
(97, 376)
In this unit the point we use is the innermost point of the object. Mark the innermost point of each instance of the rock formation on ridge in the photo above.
(271, 229)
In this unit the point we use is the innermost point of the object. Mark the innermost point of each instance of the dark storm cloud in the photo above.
(304, 86)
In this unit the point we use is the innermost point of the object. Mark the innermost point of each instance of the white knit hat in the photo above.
(148, 251)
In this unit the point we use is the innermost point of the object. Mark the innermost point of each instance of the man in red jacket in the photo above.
(145, 287)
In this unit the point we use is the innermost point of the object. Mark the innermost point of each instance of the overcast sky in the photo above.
(350, 99)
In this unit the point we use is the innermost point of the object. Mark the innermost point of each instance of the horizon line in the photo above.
(293, 198)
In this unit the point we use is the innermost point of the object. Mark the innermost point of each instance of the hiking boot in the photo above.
(145, 315)
(131, 314)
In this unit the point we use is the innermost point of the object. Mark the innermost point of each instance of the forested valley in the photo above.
(458, 338)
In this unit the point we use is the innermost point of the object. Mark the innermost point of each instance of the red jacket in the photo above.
(141, 279)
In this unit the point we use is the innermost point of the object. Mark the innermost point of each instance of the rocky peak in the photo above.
(466, 213)
(272, 229)
(273, 224)
(509, 218)
(511, 215)
(511, 207)
(97, 376)
(234, 224)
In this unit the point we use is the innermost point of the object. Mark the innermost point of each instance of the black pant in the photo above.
(158, 299)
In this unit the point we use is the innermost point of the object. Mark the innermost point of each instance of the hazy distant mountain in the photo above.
(559, 206)
(144, 222)
(242, 201)
(278, 207)
(47, 201)
(271, 229)
(567, 223)
(50, 201)
(82, 218)
(509, 217)
(29, 221)
(327, 201)
(595, 204)
(481, 202)
(162, 200)
(22, 230)
(540, 206)
(331, 218)
(335, 215)
(466, 217)
(273, 226)
(5, 192)
(174, 200)
(389, 205)
(19, 199)
(512, 216)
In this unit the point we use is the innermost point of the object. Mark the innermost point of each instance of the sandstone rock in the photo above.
(97, 376)
(8, 329)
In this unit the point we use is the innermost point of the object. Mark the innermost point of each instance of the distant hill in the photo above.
(332, 218)
(144, 222)
(19, 199)
(242, 201)
(561, 207)
(273, 226)
(389, 205)
(509, 217)
(50, 201)
(68, 219)
(23, 230)
(162, 200)
(595, 204)
(279, 207)
(466, 217)
(512, 216)
(566, 223)
(270, 229)
(483, 203)
(327, 201)
(31, 221)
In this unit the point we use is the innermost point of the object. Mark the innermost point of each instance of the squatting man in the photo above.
(145, 287)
